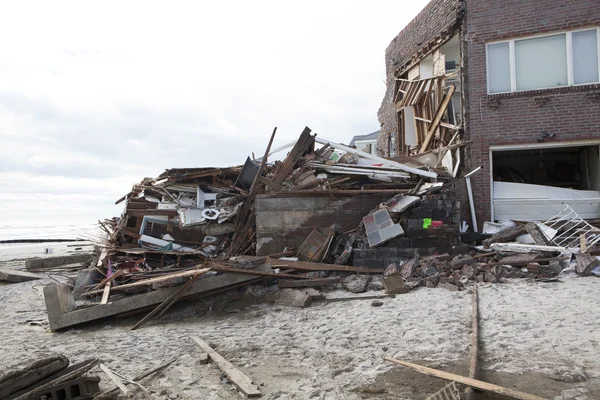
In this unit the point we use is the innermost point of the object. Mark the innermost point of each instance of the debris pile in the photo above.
(322, 214)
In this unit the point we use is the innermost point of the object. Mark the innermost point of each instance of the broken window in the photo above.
(543, 62)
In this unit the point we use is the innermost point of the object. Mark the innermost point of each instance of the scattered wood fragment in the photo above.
(111, 278)
(237, 377)
(116, 380)
(474, 356)
(140, 377)
(378, 296)
(310, 266)
(72, 372)
(525, 248)
(474, 383)
(309, 283)
(106, 293)
(151, 281)
(224, 268)
(526, 262)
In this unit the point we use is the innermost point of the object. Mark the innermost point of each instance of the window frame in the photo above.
(513, 65)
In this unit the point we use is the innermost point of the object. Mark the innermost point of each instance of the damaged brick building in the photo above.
(526, 99)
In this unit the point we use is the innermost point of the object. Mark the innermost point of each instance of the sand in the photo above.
(331, 350)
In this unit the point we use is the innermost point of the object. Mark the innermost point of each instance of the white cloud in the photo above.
(96, 95)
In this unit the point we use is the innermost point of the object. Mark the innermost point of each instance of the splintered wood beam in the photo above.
(298, 151)
(474, 383)
(242, 219)
(312, 266)
(436, 120)
(237, 377)
(224, 268)
(106, 293)
(151, 281)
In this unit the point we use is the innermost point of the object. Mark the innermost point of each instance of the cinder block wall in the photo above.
(519, 118)
(282, 222)
(433, 19)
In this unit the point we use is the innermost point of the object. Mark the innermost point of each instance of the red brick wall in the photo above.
(570, 113)
(433, 19)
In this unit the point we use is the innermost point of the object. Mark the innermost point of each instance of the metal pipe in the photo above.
(471, 202)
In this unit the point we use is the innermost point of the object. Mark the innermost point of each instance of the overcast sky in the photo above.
(94, 96)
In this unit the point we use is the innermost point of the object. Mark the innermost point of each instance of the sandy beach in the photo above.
(540, 338)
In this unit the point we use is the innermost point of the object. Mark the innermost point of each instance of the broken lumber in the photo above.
(525, 248)
(508, 235)
(116, 380)
(224, 268)
(72, 372)
(13, 276)
(474, 356)
(13, 381)
(437, 119)
(377, 296)
(585, 264)
(151, 281)
(165, 304)
(309, 283)
(106, 293)
(140, 377)
(474, 383)
(311, 266)
(237, 377)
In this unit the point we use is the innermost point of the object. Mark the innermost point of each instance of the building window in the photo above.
(543, 62)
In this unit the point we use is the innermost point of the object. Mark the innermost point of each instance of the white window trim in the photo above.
(513, 66)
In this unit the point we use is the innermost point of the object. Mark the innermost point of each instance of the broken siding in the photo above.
(435, 17)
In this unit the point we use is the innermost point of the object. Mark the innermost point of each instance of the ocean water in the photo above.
(47, 231)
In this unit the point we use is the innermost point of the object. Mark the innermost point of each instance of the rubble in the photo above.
(325, 216)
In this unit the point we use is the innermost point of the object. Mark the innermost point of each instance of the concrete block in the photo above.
(356, 283)
(13, 276)
(62, 312)
(394, 284)
(50, 262)
(293, 298)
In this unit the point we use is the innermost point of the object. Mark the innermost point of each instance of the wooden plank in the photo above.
(268, 182)
(223, 268)
(116, 380)
(151, 281)
(309, 283)
(310, 266)
(237, 377)
(72, 372)
(437, 119)
(477, 384)
(444, 124)
(297, 151)
(140, 377)
(106, 293)
(111, 278)
(474, 356)
(14, 276)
